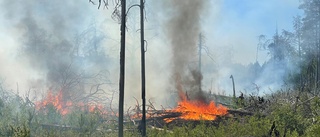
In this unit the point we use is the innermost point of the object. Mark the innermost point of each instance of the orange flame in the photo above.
(64, 106)
(56, 101)
(197, 110)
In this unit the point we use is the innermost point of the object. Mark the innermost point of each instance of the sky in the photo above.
(230, 27)
(244, 20)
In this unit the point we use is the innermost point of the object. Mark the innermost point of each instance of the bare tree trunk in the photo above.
(317, 43)
(143, 77)
(200, 48)
(234, 88)
(122, 66)
(317, 59)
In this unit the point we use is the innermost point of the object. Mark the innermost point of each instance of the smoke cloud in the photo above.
(184, 26)
(43, 42)
(51, 46)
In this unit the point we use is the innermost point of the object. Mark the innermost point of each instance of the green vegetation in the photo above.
(18, 117)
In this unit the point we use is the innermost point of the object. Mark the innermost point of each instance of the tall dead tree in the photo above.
(122, 55)
(122, 66)
(200, 48)
(234, 88)
(122, 63)
(143, 76)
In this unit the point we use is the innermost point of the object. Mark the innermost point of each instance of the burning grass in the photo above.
(65, 106)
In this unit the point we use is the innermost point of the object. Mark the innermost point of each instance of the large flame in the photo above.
(197, 109)
(56, 101)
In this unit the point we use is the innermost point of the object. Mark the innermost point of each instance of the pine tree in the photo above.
(310, 40)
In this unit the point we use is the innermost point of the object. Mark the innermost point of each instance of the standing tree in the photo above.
(122, 55)
(122, 59)
(283, 56)
(310, 41)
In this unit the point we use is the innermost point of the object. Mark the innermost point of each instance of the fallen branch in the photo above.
(160, 129)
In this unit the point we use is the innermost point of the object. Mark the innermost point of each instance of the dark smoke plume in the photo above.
(183, 30)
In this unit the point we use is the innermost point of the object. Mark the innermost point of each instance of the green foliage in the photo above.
(15, 131)
(285, 117)
(88, 123)
(313, 131)
(19, 119)
(315, 106)
(248, 126)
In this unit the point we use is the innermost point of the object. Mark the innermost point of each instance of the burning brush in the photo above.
(187, 110)
(64, 107)
(197, 110)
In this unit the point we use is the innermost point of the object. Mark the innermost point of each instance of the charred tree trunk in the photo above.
(317, 42)
(234, 88)
(200, 48)
(122, 66)
(143, 76)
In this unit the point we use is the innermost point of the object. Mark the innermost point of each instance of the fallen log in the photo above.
(167, 114)
(160, 129)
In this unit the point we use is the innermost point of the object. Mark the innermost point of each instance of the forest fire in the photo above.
(64, 107)
(197, 110)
